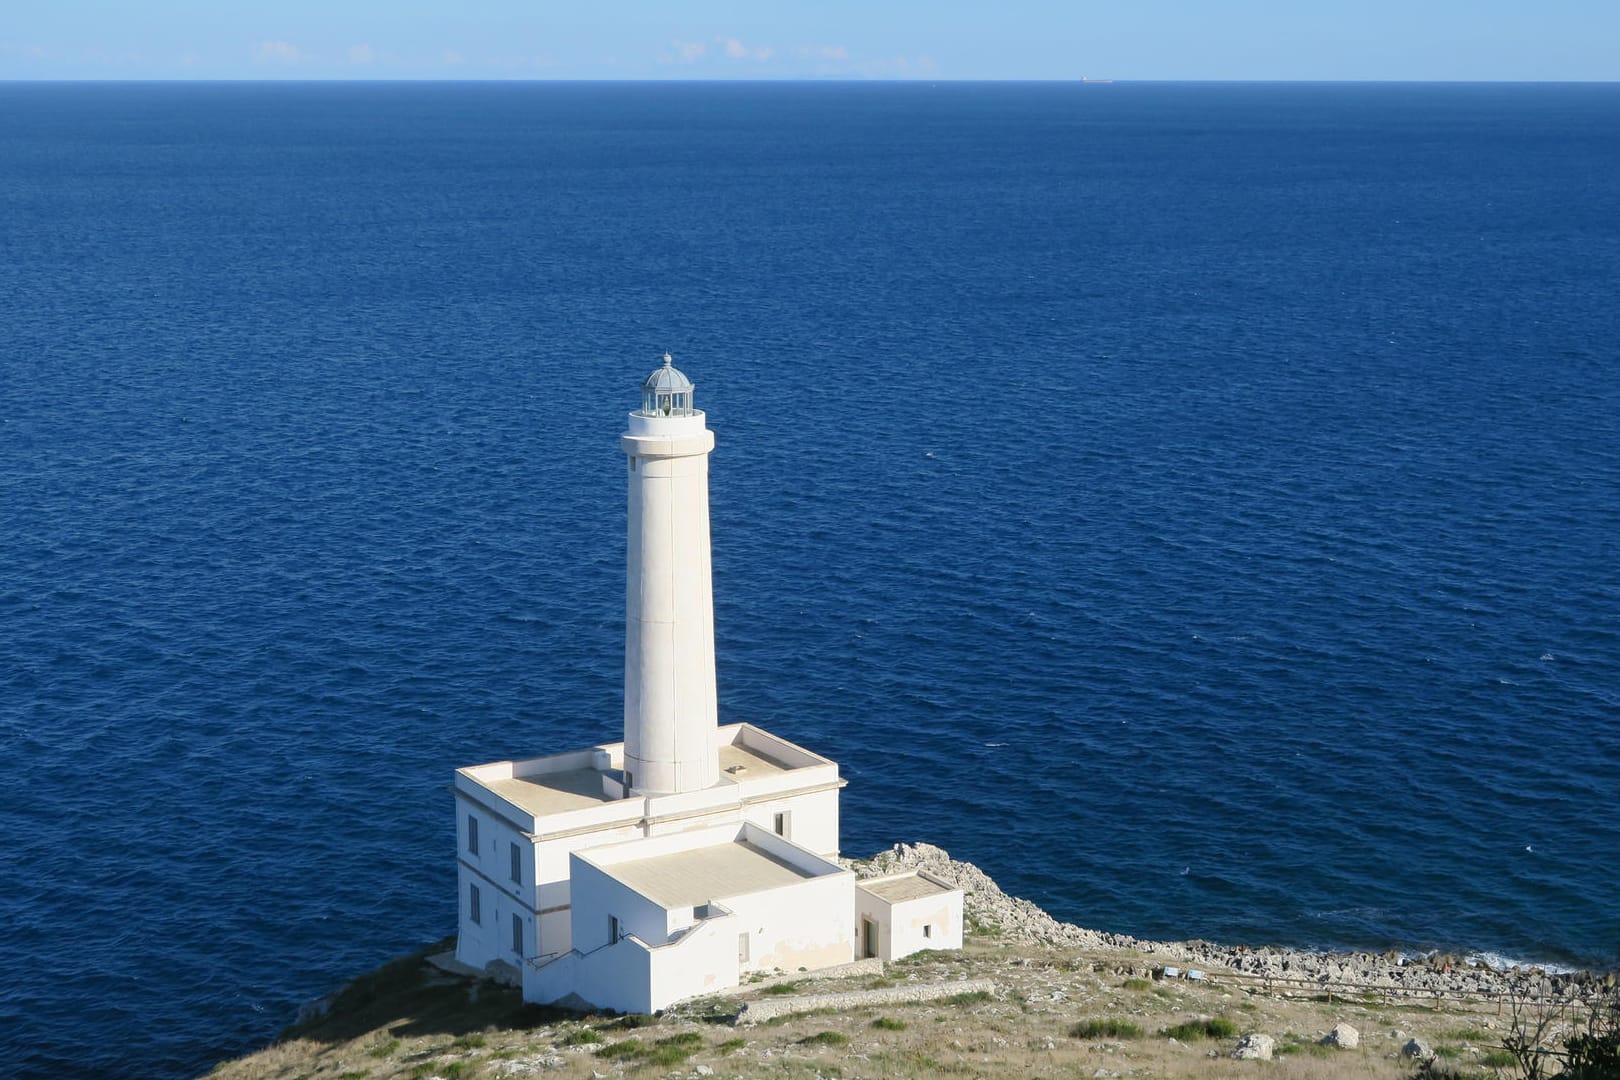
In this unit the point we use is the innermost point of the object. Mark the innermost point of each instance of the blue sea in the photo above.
(1196, 504)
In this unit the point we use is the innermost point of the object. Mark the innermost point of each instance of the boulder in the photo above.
(1417, 1049)
(1342, 1036)
(1255, 1048)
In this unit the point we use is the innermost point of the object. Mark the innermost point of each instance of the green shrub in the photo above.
(824, 1038)
(1108, 1028)
(1496, 1059)
(469, 1042)
(624, 1050)
(667, 1051)
(668, 1055)
(781, 988)
(582, 1037)
(1449, 1053)
(972, 997)
(1214, 1028)
(628, 1022)
(1138, 984)
(1293, 1044)
(1595, 1054)
(685, 1038)
(731, 1045)
(383, 1049)
(884, 1023)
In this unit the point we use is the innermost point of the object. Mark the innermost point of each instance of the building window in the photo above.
(613, 929)
(517, 935)
(475, 910)
(472, 834)
(782, 824)
(928, 929)
(517, 865)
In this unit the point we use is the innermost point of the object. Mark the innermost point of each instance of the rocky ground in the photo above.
(1028, 996)
(987, 905)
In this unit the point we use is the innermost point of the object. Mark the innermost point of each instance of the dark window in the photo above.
(472, 834)
(474, 909)
(517, 935)
(517, 864)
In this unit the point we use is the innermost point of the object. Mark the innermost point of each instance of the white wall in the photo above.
(797, 926)
(597, 896)
(490, 869)
(701, 961)
(933, 922)
(812, 819)
(617, 977)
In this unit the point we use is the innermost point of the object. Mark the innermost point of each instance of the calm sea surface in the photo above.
(1198, 505)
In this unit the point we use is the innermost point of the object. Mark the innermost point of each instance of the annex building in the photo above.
(630, 875)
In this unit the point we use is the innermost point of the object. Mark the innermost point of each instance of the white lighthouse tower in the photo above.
(670, 716)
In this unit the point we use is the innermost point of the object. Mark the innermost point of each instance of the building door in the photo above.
(869, 938)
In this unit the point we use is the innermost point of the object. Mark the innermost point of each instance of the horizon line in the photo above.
(830, 79)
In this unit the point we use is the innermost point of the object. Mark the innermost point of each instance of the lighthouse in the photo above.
(689, 857)
(670, 715)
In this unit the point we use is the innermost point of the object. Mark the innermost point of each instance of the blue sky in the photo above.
(771, 39)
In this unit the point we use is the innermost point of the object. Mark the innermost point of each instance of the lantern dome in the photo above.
(667, 392)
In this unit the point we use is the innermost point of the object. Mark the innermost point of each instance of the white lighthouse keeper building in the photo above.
(630, 875)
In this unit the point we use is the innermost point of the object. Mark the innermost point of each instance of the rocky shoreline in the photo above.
(986, 904)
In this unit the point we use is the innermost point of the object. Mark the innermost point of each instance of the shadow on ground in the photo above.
(409, 997)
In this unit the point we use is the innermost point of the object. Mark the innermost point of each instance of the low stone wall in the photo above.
(758, 1011)
(869, 966)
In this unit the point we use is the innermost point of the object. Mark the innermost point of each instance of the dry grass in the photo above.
(407, 1021)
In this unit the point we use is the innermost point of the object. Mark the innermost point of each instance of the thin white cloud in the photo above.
(278, 52)
(688, 52)
(738, 51)
(361, 54)
(451, 56)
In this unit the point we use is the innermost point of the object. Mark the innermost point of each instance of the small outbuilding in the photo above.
(905, 913)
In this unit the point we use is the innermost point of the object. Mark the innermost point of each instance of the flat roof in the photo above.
(552, 792)
(547, 793)
(897, 889)
(748, 763)
(690, 878)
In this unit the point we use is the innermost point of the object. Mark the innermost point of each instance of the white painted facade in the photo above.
(906, 913)
(639, 951)
(711, 849)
